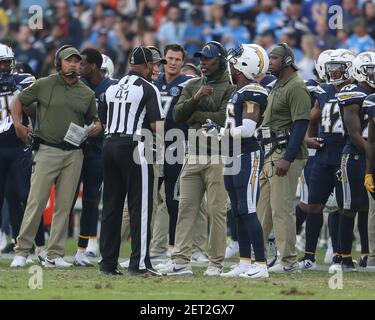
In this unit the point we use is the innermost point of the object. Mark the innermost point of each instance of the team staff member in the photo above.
(202, 98)
(288, 110)
(62, 99)
(134, 103)
(170, 84)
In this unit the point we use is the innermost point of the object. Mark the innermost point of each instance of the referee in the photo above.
(133, 104)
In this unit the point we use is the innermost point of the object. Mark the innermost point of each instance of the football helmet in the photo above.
(251, 59)
(339, 67)
(364, 68)
(321, 63)
(107, 66)
(6, 54)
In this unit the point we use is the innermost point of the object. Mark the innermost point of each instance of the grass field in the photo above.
(85, 283)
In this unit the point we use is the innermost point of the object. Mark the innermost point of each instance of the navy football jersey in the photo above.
(99, 91)
(331, 128)
(170, 93)
(11, 85)
(311, 85)
(349, 95)
(369, 105)
(268, 82)
(238, 100)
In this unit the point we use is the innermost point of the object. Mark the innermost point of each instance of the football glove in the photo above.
(211, 128)
(369, 183)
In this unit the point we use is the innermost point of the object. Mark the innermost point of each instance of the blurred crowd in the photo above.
(114, 27)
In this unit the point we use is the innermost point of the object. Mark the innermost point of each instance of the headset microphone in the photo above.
(70, 74)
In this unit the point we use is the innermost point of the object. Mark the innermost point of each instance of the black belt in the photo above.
(118, 135)
(63, 146)
(132, 137)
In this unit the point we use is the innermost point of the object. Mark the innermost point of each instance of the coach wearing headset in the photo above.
(202, 98)
(62, 99)
(284, 126)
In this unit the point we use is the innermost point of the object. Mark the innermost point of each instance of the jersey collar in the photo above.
(282, 83)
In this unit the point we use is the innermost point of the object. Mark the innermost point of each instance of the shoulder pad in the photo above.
(186, 80)
(369, 101)
(255, 93)
(369, 105)
(253, 88)
(320, 89)
(351, 94)
(311, 85)
(24, 78)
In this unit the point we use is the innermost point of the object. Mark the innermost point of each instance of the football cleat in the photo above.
(306, 264)
(235, 272)
(279, 268)
(18, 261)
(57, 263)
(81, 260)
(256, 271)
(177, 270)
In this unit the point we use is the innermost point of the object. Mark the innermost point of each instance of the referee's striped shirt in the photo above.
(132, 104)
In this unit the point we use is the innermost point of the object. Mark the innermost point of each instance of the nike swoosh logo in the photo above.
(289, 269)
(179, 269)
(252, 274)
(256, 94)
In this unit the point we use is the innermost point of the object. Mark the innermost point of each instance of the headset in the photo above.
(223, 53)
(288, 57)
(57, 60)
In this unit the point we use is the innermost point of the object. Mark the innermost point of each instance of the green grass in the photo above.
(85, 283)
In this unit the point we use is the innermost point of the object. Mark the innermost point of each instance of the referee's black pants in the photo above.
(125, 176)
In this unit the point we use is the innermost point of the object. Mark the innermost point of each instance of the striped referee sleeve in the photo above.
(154, 109)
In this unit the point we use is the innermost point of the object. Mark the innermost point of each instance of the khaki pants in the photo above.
(201, 228)
(63, 168)
(276, 206)
(160, 225)
(197, 179)
(371, 231)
